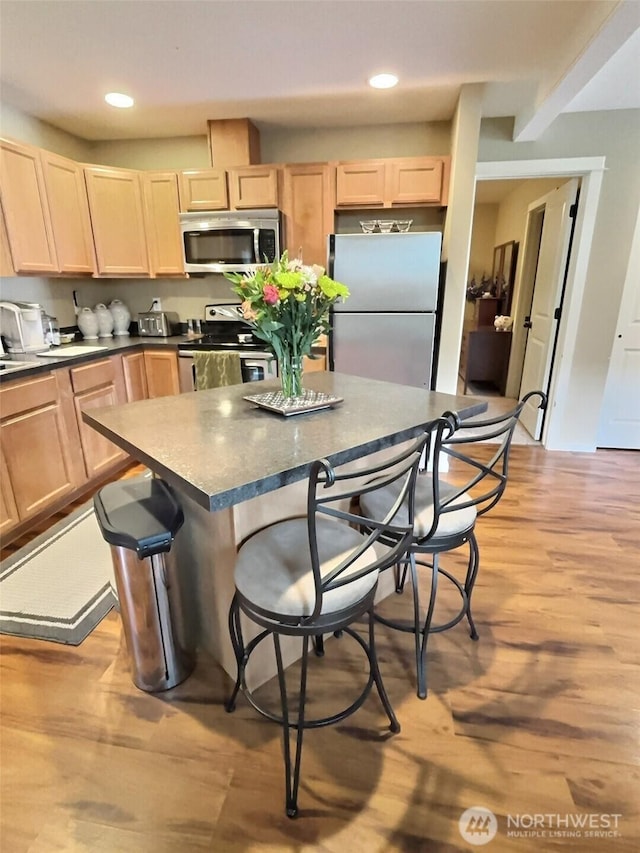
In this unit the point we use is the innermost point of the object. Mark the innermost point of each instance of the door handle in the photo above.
(527, 323)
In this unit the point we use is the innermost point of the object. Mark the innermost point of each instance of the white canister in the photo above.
(121, 317)
(105, 320)
(88, 324)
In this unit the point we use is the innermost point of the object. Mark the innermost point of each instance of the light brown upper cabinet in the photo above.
(161, 208)
(360, 183)
(203, 189)
(233, 142)
(115, 203)
(6, 261)
(26, 212)
(69, 210)
(253, 186)
(393, 182)
(308, 204)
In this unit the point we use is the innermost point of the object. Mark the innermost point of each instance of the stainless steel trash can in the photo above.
(139, 518)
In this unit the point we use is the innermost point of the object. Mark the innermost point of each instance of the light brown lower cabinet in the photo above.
(48, 455)
(162, 373)
(319, 361)
(96, 384)
(40, 448)
(135, 376)
(8, 510)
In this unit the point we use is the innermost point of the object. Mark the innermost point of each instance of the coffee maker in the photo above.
(21, 326)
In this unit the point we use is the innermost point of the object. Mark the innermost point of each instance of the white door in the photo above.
(620, 419)
(547, 294)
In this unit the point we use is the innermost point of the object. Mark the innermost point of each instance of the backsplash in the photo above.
(187, 297)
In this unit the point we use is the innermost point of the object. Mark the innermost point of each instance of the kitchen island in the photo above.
(236, 467)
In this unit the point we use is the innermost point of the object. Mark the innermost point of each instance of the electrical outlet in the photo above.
(156, 304)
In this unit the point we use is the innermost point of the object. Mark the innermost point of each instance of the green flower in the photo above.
(292, 322)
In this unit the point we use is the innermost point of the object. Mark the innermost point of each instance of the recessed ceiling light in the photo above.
(383, 81)
(118, 100)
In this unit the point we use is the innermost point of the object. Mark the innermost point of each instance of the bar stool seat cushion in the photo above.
(376, 504)
(273, 568)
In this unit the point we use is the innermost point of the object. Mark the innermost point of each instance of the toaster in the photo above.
(158, 324)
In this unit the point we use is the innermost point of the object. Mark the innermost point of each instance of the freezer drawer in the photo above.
(392, 347)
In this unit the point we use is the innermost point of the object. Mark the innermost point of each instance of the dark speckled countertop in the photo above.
(220, 449)
(32, 364)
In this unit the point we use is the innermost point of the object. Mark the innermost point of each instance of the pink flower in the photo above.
(270, 294)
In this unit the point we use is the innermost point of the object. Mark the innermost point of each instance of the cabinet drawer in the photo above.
(92, 375)
(30, 394)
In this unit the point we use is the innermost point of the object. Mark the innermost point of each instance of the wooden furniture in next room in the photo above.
(484, 352)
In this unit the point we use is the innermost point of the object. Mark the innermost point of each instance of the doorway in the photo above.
(500, 228)
(555, 433)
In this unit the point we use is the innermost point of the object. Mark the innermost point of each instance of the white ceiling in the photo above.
(306, 62)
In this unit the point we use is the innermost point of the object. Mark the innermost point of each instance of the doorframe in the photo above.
(591, 171)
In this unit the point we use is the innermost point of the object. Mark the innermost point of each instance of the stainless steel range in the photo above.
(224, 329)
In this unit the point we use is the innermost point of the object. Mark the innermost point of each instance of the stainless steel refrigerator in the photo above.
(387, 327)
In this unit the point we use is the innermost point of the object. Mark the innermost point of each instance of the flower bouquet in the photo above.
(287, 305)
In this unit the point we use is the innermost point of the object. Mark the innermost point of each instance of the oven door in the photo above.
(254, 366)
(256, 369)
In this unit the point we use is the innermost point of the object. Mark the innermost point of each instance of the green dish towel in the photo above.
(215, 369)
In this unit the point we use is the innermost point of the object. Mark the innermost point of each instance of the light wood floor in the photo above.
(541, 716)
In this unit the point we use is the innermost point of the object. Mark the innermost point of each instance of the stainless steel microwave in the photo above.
(230, 240)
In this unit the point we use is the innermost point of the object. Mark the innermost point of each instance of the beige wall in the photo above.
(512, 211)
(181, 152)
(17, 125)
(615, 135)
(299, 145)
(483, 237)
(283, 145)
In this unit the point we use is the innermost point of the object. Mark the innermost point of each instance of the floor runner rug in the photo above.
(58, 587)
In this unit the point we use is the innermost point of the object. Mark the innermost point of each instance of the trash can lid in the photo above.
(141, 514)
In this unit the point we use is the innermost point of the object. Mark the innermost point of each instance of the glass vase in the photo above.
(290, 369)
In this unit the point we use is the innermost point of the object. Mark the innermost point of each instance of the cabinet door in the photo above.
(203, 189)
(117, 219)
(414, 180)
(361, 183)
(69, 210)
(253, 186)
(26, 212)
(162, 208)
(36, 445)
(99, 453)
(162, 373)
(6, 262)
(308, 208)
(135, 376)
(8, 509)
(95, 384)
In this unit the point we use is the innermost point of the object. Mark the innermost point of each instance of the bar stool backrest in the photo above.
(478, 460)
(330, 489)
